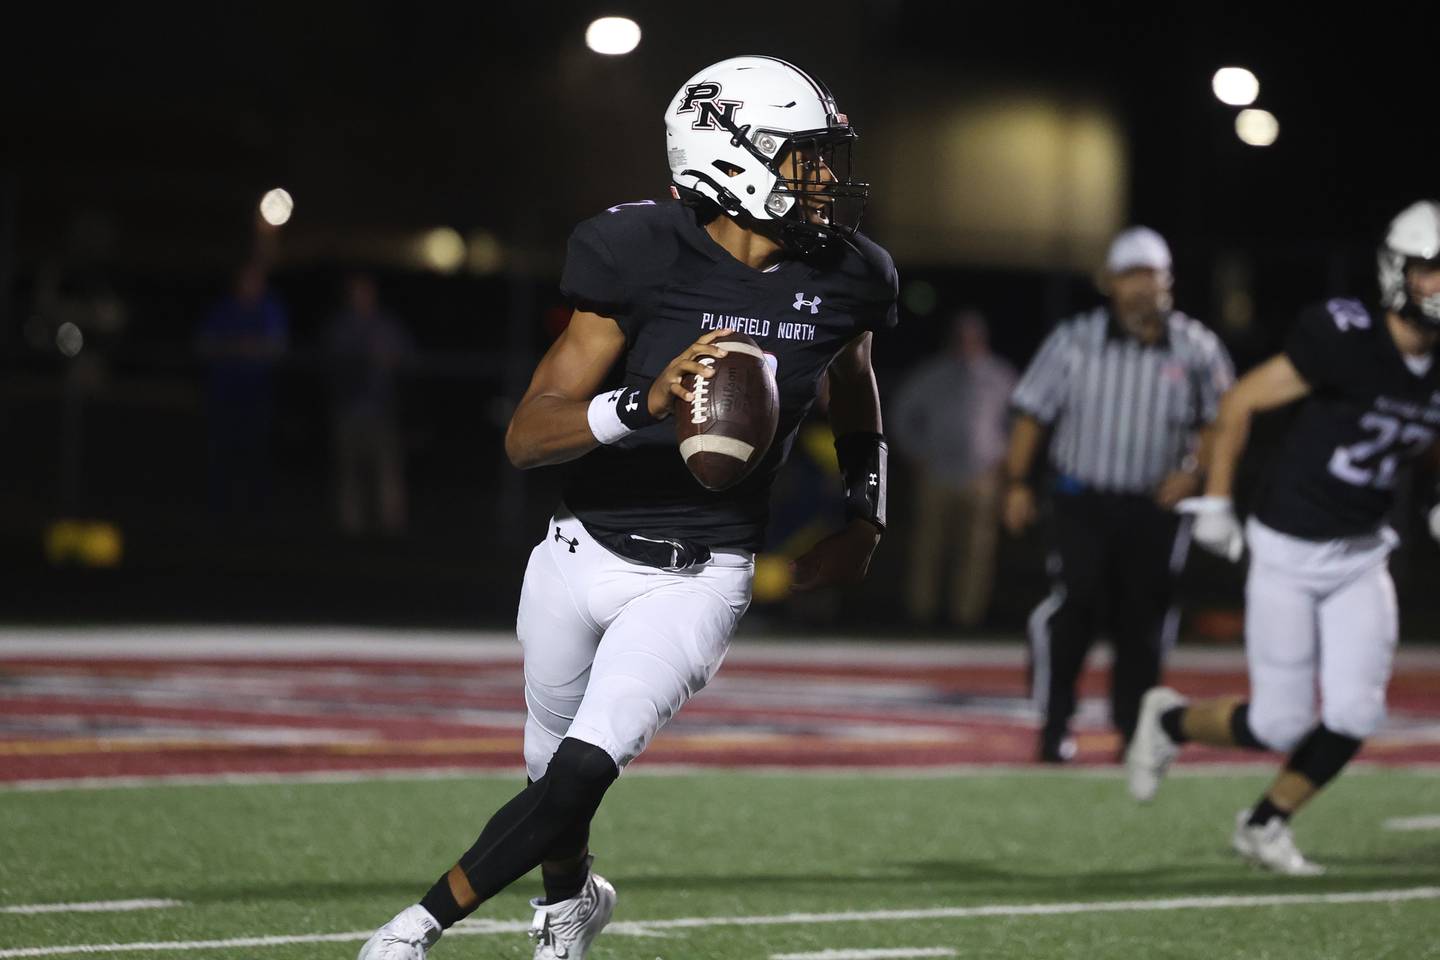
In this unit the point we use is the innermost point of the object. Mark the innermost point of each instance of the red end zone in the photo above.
(197, 702)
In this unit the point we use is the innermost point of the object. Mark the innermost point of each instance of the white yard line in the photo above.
(1238, 769)
(1431, 822)
(296, 642)
(650, 927)
(897, 953)
(255, 779)
(93, 906)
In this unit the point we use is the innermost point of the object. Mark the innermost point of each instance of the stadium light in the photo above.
(69, 340)
(1236, 86)
(612, 36)
(443, 249)
(276, 206)
(1258, 128)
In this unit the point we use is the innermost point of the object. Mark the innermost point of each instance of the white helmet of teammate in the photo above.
(1414, 236)
(730, 126)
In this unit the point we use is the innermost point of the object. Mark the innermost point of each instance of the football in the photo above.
(727, 429)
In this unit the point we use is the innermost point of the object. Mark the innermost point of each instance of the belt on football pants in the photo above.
(654, 552)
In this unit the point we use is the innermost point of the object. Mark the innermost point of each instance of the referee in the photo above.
(1122, 394)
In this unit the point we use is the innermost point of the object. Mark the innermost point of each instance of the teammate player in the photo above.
(630, 599)
(1319, 602)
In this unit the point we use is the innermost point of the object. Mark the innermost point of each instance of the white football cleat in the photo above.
(407, 937)
(1151, 750)
(1271, 846)
(565, 930)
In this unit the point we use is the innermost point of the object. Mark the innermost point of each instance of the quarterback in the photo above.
(631, 596)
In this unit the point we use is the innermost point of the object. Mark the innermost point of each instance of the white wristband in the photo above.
(605, 422)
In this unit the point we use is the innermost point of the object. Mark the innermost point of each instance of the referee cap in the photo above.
(1138, 247)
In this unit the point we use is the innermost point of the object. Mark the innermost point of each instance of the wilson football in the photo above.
(727, 429)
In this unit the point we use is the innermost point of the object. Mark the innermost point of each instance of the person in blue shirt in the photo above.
(240, 341)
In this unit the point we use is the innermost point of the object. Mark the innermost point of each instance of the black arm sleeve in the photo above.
(864, 459)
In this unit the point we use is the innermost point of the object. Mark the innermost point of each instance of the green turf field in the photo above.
(306, 859)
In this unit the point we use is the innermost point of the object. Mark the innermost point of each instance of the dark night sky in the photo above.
(496, 116)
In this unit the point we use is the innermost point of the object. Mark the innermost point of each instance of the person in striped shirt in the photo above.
(1122, 395)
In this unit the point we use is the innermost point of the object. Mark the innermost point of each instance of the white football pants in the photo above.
(614, 648)
(1321, 611)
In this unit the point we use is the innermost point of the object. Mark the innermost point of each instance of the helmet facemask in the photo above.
(1398, 292)
(813, 199)
(814, 196)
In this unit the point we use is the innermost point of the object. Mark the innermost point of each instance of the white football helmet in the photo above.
(731, 125)
(1414, 236)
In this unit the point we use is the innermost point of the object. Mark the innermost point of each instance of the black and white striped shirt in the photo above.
(1124, 413)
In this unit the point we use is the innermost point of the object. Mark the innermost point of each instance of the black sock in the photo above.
(1265, 811)
(1170, 722)
(1322, 755)
(563, 886)
(572, 844)
(441, 903)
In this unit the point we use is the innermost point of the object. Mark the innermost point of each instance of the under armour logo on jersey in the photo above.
(706, 98)
(800, 301)
(561, 538)
(634, 402)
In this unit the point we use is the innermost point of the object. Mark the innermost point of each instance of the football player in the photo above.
(630, 598)
(1319, 603)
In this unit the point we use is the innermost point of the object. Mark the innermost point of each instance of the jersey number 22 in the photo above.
(1372, 462)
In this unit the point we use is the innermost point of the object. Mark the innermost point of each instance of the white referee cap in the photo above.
(1138, 247)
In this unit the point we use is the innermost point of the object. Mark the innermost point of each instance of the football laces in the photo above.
(700, 393)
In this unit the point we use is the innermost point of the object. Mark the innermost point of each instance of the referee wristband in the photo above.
(619, 413)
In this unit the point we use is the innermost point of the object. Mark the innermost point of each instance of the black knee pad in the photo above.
(577, 778)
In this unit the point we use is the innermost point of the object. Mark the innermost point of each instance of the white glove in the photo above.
(1435, 521)
(1216, 528)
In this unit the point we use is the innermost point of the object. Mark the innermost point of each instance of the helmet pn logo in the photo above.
(814, 305)
(705, 97)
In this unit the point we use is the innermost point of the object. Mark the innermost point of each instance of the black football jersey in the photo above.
(1368, 412)
(654, 269)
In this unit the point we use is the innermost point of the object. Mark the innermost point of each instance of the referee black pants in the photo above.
(1114, 566)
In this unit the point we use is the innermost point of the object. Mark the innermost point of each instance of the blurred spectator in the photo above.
(241, 341)
(365, 345)
(948, 420)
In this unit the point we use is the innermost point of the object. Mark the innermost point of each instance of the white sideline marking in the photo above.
(93, 906)
(883, 954)
(185, 946)
(352, 643)
(258, 779)
(936, 772)
(648, 927)
(1413, 823)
